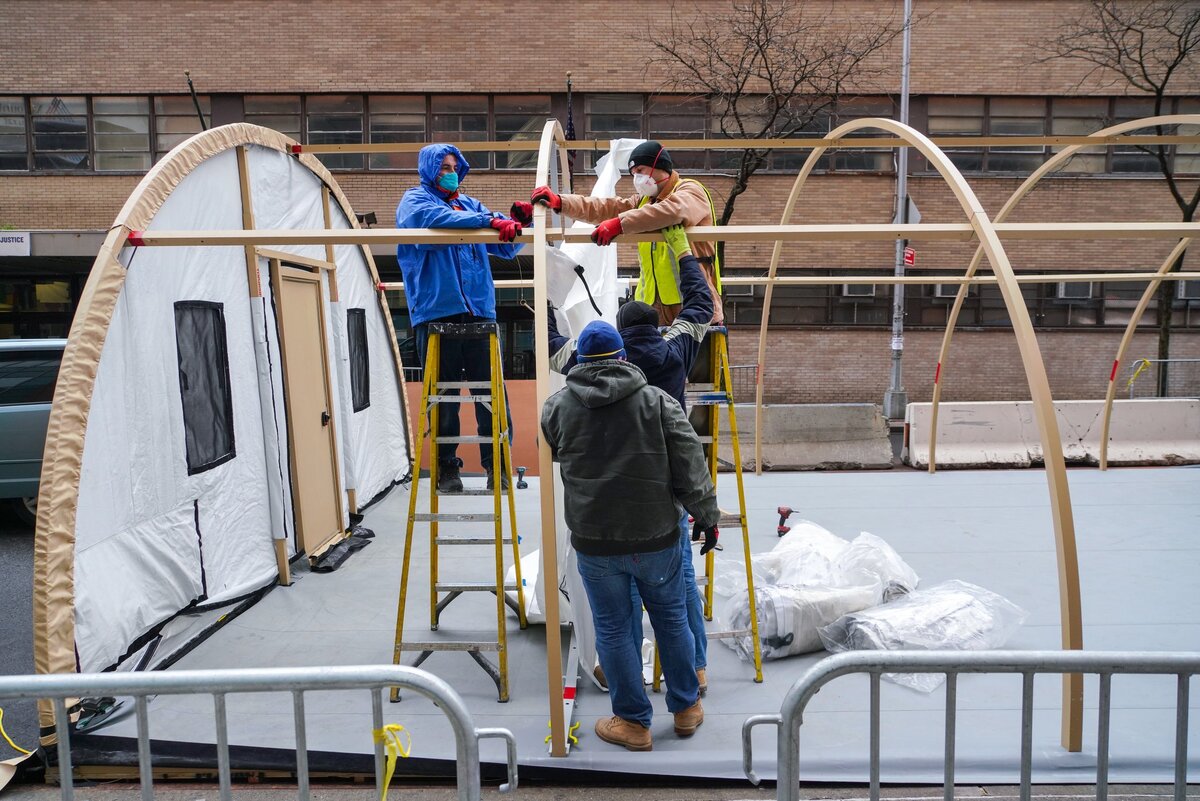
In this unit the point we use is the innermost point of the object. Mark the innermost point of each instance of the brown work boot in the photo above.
(702, 677)
(687, 721)
(618, 731)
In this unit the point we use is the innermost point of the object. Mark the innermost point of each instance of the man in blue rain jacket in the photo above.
(453, 284)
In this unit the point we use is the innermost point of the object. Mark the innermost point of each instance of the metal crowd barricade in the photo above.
(298, 681)
(1027, 663)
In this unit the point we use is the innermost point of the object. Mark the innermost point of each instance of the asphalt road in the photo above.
(16, 627)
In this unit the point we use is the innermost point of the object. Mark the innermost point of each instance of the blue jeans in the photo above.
(695, 607)
(660, 583)
(462, 360)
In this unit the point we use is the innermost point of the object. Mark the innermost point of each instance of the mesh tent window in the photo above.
(204, 384)
(360, 361)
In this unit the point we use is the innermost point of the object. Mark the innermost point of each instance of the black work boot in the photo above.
(491, 481)
(448, 477)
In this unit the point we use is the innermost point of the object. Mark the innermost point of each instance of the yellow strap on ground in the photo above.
(1142, 365)
(8, 739)
(389, 735)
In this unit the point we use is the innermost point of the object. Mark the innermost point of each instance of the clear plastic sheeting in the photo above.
(811, 578)
(953, 615)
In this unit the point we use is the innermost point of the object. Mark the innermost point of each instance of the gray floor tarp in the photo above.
(1139, 551)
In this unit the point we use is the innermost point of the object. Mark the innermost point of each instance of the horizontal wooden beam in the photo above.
(806, 143)
(857, 232)
(818, 280)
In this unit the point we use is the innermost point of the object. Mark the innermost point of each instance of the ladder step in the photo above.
(464, 385)
(725, 635)
(454, 517)
(472, 586)
(705, 439)
(471, 541)
(449, 645)
(707, 399)
(463, 440)
(729, 520)
(701, 387)
(459, 399)
(477, 492)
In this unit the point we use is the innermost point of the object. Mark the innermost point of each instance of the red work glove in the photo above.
(607, 231)
(710, 535)
(522, 212)
(509, 229)
(545, 195)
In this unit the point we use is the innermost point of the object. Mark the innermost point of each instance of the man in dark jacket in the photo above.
(666, 358)
(453, 284)
(628, 455)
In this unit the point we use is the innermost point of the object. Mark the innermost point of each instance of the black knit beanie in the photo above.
(651, 154)
(636, 313)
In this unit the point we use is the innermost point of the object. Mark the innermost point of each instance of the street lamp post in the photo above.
(895, 400)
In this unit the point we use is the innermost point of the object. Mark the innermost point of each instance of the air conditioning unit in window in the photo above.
(858, 290)
(1189, 290)
(1074, 290)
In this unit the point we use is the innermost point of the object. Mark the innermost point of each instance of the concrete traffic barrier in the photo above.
(1148, 431)
(831, 436)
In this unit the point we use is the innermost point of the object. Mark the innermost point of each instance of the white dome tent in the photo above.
(219, 410)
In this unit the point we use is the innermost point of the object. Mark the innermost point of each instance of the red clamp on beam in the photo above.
(379, 286)
(135, 239)
(937, 373)
(297, 148)
(1113, 375)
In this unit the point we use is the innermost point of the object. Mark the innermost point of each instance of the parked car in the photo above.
(28, 371)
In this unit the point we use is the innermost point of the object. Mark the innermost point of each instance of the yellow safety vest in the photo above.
(659, 276)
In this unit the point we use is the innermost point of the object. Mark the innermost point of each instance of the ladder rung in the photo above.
(464, 385)
(701, 581)
(449, 645)
(707, 399)
(705, 440)
(486, 492)
(459, 399)
(472, 586)
(471, 541)
(463, 440)
(725, 635)
(701, 387)
(454, 517)
(730, 521)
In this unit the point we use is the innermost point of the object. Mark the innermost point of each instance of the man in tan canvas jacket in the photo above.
(663, 198)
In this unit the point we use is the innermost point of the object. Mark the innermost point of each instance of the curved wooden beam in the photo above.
(1126, 338)
(1039, 387)
(1027, 186)
(552, 137)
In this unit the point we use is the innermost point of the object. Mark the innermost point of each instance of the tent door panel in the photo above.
(312, 440)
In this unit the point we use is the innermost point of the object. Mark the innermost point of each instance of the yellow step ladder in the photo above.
(434, 393)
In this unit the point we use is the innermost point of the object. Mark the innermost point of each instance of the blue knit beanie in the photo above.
(599, 340)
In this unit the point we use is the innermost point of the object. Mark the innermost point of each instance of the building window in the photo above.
(462, 118)
(14, 145)
(1132, 158)
(204, 384)
(846, 160)
(121, 133)
(336, 120)
(175, 120)
(519, 118)
(1080, 116)
(958, 116)
(396, 118)
(360, 362)
(60, 133)
(679, 118)
(1187, 157)
(277, 112)
(611, 117)
(1016, 116)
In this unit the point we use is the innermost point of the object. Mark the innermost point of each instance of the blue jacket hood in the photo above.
(429, 162)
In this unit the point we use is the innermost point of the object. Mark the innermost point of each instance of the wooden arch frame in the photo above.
(1027, 186)
(1070, 612)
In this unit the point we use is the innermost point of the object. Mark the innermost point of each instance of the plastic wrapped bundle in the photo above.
(790, 618)
(870, 554)
(953, 615)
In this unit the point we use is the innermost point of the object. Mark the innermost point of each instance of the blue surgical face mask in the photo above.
(448, 181)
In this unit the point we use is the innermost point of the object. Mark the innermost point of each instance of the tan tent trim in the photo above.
(54, 545)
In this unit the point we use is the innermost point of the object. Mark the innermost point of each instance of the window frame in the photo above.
(221, 346)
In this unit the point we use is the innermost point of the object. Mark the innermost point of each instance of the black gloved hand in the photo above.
(709, 533)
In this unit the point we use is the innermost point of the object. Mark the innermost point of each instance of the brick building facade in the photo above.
(92, 93)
